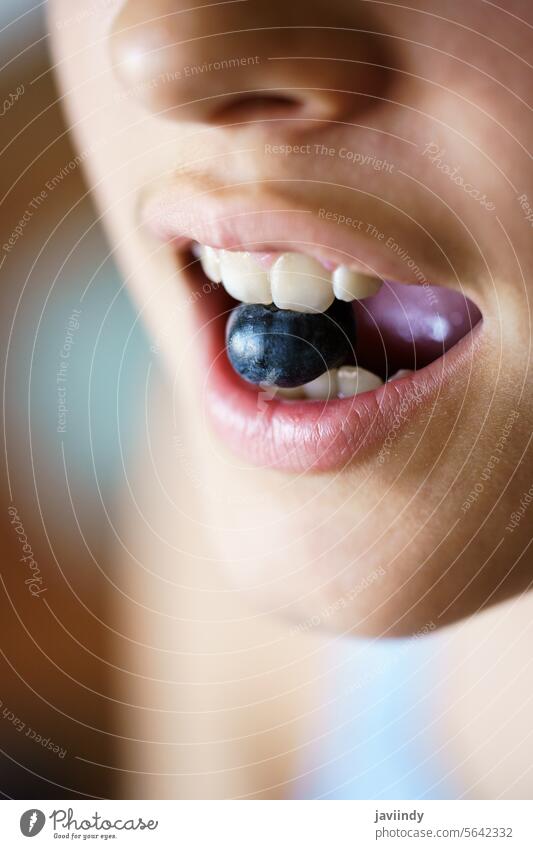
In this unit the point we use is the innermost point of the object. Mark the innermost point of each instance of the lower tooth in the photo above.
(322, 387)
(344, 382)
(352, 380)
(403, 372)
(294, 393)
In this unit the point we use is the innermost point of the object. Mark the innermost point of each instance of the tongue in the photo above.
(407, 327)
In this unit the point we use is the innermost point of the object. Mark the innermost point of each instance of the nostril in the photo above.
(254, 107)
(200, 63)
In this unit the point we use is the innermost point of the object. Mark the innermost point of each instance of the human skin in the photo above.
(382, 547)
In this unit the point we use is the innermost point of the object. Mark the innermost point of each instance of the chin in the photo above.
(389, 545)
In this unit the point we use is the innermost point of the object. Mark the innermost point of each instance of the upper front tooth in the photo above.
(210, 262)
(352, 380)
(349, 285)
(244, 278)
(295, 282)
(300, 283)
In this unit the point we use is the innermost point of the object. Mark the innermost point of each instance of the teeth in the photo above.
(403, 372)
(349, 285)
(322, 387)
(294, 282)
(352, 381)
(337, 383)
(244, 278)
(294, 393)
(300, 283)
(210, 262)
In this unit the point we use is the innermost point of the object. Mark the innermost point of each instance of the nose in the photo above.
(249, 60)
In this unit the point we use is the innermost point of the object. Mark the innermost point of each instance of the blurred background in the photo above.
(55, 656)
(103, 692)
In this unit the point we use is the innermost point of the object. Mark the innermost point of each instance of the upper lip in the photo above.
(239, 219)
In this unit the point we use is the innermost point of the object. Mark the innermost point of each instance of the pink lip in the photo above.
(232, 222)
(314, 435)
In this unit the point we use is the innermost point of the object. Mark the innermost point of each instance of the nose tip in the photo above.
(238, 62)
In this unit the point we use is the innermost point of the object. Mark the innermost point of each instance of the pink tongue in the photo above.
(410, 326)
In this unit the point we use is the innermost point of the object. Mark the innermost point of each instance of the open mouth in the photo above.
(309, 363)
(295, 344)
(315, 332)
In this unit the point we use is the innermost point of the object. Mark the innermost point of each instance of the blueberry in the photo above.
(270, 346)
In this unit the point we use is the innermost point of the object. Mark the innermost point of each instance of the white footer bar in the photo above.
(267, 824)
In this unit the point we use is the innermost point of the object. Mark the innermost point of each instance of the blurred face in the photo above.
(324, 212)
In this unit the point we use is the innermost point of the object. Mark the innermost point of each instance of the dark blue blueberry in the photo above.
(271, 346)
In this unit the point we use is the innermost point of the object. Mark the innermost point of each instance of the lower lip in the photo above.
(300, 436)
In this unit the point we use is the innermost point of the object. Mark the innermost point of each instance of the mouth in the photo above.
(311, 363)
